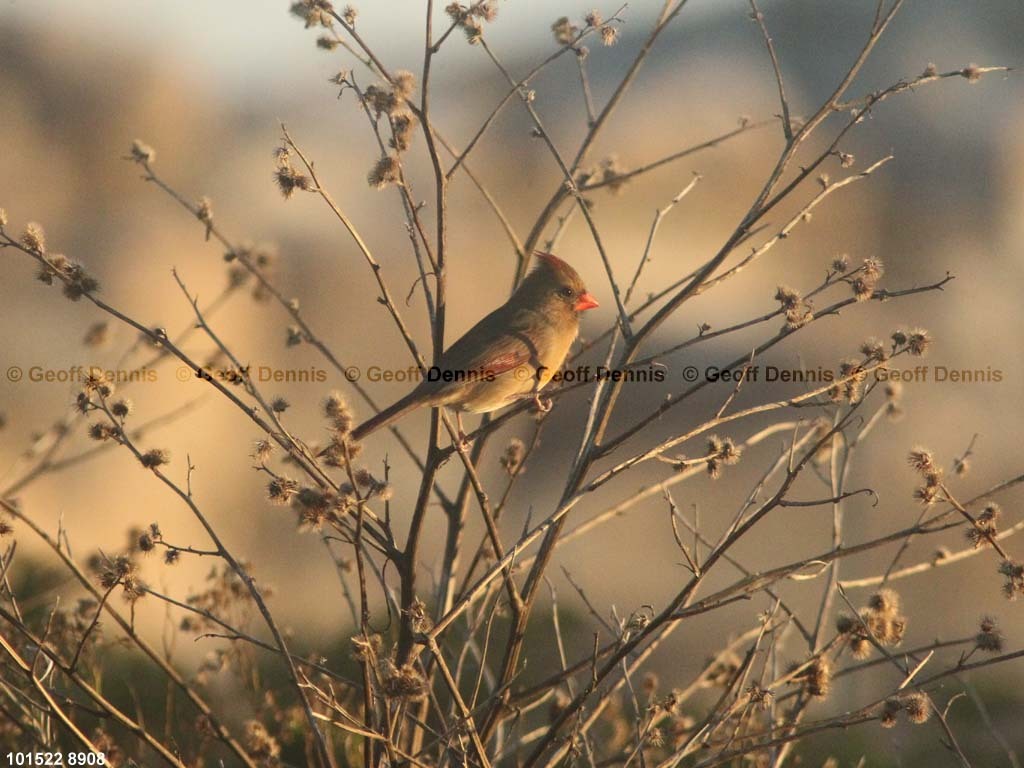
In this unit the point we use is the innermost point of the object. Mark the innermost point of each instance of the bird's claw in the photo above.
(543, 404)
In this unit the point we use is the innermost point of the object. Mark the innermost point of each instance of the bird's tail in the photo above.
(392, 413)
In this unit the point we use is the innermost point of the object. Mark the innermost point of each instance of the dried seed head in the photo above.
(102, 431)
(930, 71)
(403, 126)
(971, 72)
(594, 19)
(349, 14)
(840, 263)
(472, 30)
(609, 35)
(34, 238)
(155, 457)
(313, 12)
(260, 744)
(172, 556)
(890, 708)
(512, 459)
(141, 152)
(385, 172)
(818, 677)
(78, 282)
(1013, 572)
(921, 459)
(403, 83)
(873, 269)
(860, 647)
(279, 405)
(884, 601)
(121, 408)
(873, 350)
(403, 682)
(989, 638)
(565, 31)
(204, 210)
(281, 490)
(288, 179)
(419, 617)
(863, 289)
(262, 449)
(337, 411)
(485, 10)
(918, 707)
(918, 342)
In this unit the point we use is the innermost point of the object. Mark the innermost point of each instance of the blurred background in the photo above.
(208, 84)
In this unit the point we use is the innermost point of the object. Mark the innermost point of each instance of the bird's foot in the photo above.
(543, 404)
(464, 440)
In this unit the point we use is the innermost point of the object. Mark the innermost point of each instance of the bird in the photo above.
(510, 354)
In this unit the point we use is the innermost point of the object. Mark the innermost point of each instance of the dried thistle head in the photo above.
(121, 408)
(287, 178)
(890, 709)
(921, 460)
(33, 238)
(141, 152)
(721, 452)
(485, 10)
(337, 412)
(817, 678)
(884, 601)
(313, 12)
(403, 127)
(918, 707)
(512, 459)
(260, 744)
(403, 84)
(989, 638)
(1013, 573)
(385, 172)
(155, 457)
(102, 431)
(918, 342)
(565, 31)
(262, 449)
(404, 682)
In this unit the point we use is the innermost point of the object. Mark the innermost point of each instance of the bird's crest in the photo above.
(555, 263)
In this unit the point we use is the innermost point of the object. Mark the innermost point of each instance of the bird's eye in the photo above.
(566, 292)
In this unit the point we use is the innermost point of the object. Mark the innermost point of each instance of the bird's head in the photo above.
(556, 288)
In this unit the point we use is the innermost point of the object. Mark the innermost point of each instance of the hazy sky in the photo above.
(238, 44)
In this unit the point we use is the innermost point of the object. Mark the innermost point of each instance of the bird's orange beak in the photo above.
(585, 302)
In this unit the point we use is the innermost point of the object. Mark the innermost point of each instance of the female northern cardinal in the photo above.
(512, 352)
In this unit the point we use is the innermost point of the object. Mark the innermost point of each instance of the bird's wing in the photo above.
(496, 344)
